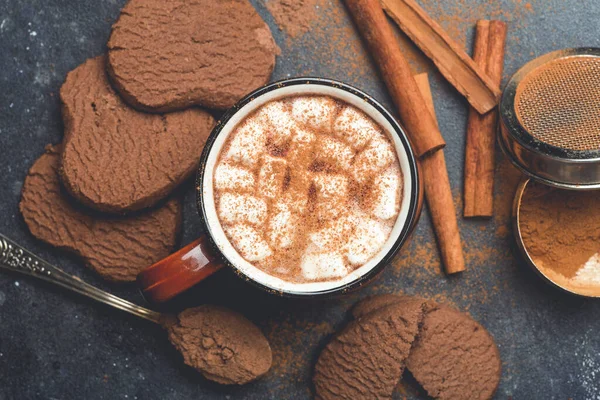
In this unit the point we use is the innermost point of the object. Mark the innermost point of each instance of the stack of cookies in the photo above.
(134, 131)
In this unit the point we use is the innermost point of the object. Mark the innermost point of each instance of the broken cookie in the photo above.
(453, 356)
(117, 248)
(168, 55)
(116, 159)
(366, 360)
(221, 344)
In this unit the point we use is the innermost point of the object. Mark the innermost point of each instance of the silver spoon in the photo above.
(235, 371)
(17, 259)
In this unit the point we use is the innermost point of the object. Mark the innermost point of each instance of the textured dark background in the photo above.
(54, 345)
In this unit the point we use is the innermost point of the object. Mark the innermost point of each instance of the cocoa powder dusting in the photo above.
(304, 162)
(332, 32)
(419, 258)
(560, 228)
(459, 16)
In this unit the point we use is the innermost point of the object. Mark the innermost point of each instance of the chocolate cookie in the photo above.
(168, 55)
(366, 360)
(117, 248)
(223, 345)
(116, 159)
(454, 357)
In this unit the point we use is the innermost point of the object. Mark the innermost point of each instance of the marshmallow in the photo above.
(296, 195)
(280, 121)
(271, 176)
(368, 238)
(230, 177)
(301, 149)
(334, 234)
(314, 112)
(282, 227)
(333, 152)
(332, 194)
(248, 143)
(377, 156)
(317, 265)
(248, 242)
(238, 208)
(355, 128)
(387, 194)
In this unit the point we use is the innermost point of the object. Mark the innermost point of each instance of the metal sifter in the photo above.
(550, 119)
(549, 127)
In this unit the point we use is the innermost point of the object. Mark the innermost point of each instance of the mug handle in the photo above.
(180, 271)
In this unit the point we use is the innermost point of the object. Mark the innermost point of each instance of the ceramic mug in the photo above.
(213, 251)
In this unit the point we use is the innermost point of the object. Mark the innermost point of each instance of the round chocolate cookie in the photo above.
(117, 248)
(454, 358)
(221, 344)
(117, 159)
(366, 359)
(168, 55)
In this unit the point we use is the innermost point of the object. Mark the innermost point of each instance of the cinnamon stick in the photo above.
(395, 70)
(480, 152)
(419, 122)
(439, 197)
(449, 57)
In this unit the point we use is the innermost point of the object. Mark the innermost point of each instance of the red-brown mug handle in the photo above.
(180, 271)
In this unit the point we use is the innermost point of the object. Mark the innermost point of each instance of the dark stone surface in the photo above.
(55, 345)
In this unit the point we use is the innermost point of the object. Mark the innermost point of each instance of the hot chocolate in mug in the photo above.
(248, 222)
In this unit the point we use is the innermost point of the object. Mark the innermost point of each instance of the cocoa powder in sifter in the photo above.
(561, 232)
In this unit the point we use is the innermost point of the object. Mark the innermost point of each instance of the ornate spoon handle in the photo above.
(17, 259)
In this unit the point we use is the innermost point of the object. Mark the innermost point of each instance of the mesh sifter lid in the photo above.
(550, 119)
